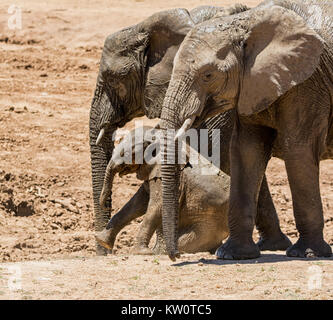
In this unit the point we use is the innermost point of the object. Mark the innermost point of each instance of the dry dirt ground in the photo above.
(47, 77)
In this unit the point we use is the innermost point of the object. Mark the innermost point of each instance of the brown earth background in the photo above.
(48, 71)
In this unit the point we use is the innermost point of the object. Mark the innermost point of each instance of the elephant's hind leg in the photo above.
(303, 175)
(151, 221)
(267, 223)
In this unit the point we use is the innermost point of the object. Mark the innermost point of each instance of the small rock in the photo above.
(54, 226)
(18, 246)
(200, 264)
(66, 204)
(79, 205)
(309, 253)
(24, 209)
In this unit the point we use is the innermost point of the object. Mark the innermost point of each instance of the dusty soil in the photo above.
(198, 276)
(47, 77)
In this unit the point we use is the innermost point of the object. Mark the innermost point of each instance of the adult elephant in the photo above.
(274, 66)
(135, 69)
(134, 74)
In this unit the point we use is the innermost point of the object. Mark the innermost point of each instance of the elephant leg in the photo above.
(303, 174)
(151, 221)
(267, 223)
(196, 238)
(250, 151)
(188, 240)
(159, 247)
(133, 209)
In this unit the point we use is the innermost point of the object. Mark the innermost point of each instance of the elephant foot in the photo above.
(158, 250)
(141, 250)
(309, 249)
(105, 239)
(101, 251)
(159, 247)
(232, 250)
(281, 242)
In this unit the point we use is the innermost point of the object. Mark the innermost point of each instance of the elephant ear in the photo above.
(166, 29)
(151, 168)
(280, 52)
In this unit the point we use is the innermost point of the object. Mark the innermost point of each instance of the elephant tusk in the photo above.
(100, 136)
(186, 125)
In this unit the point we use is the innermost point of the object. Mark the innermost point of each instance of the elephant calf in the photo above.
(203, 201)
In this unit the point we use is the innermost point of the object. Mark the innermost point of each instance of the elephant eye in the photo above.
(208, 76)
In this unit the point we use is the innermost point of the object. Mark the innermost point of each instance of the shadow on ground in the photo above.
(264, 258)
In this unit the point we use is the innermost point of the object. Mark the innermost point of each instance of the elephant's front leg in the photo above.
(250, 152)
(267, 222)
(303, 174)
(151, 221)
(133, 209)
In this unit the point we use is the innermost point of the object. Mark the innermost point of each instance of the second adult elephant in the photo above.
(274, 66)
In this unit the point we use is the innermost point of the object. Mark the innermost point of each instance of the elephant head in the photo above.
(245, 61)
(142, 142)
(135, 68)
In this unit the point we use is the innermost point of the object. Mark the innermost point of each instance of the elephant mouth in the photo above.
(128, 170)
(211, 110)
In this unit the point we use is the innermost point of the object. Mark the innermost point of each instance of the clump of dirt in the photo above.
(37, 219)
(9, 201)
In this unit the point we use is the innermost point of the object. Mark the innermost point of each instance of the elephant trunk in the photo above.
(170, 190)
(100, 155)
(176, 98)
(107, 187)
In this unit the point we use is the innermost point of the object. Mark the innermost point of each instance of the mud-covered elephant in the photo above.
(273, 65)
(135, 71)
(204, 198)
